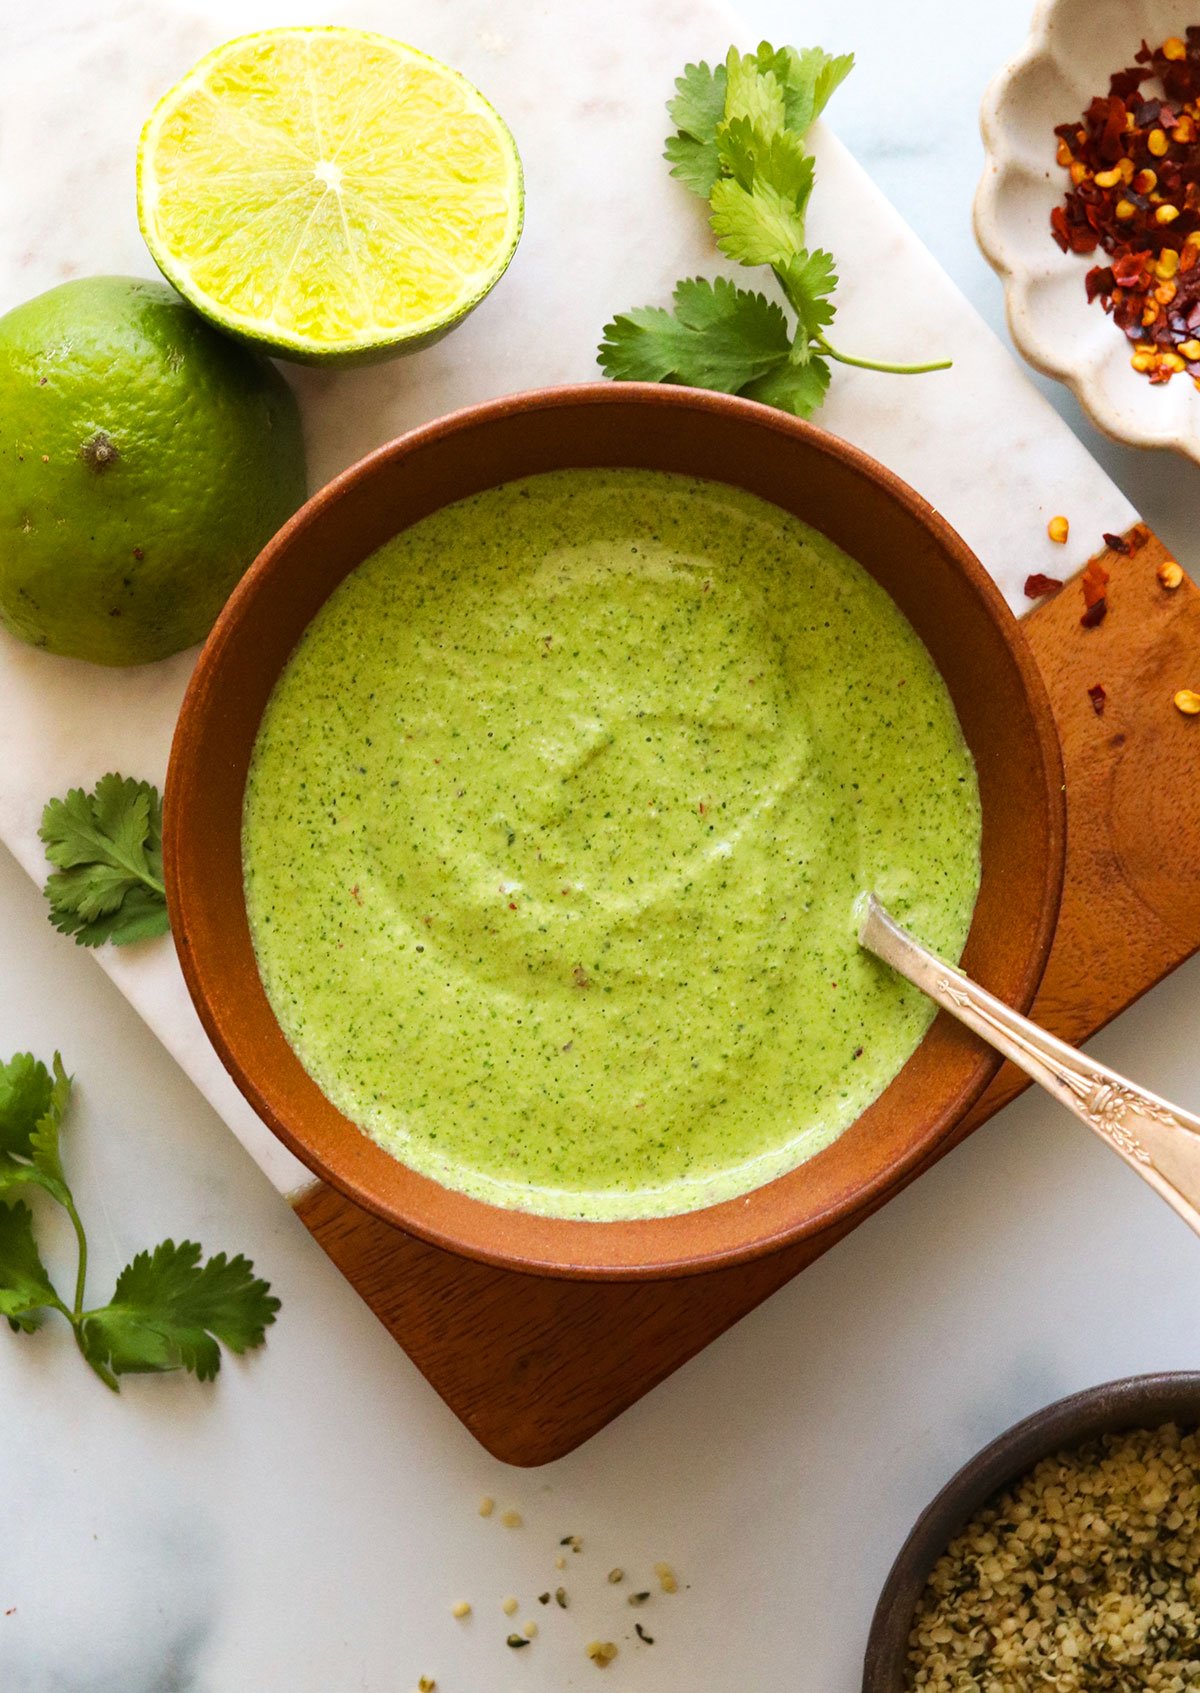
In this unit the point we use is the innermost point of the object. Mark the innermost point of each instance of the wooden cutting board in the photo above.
(533, 1367)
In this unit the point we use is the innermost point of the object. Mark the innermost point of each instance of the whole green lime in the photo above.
(145, 459)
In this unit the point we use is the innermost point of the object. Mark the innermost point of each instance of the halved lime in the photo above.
(330, 194)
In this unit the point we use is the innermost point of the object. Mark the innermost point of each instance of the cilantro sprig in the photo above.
(106, 849)
(168, 1310)
(739, 144)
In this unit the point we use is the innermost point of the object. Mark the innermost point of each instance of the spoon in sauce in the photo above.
(1158, 1140)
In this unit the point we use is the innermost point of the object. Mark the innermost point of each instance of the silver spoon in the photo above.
(1158, 1140)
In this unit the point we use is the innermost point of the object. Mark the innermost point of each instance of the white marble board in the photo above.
(583, 88)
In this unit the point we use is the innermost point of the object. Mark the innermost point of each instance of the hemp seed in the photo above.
(1081, 1577)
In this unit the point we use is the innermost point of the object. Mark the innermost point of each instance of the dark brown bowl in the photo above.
(1134, 1402)
(905, 545)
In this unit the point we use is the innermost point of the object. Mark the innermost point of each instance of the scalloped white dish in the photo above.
(1073, 48)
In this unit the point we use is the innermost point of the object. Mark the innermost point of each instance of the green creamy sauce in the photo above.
(554, 829)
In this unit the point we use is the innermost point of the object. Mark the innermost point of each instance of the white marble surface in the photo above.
(305, 1526)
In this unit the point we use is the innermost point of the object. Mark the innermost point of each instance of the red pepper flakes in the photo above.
(1097, 695)
(1094, 582)
(1117, 544)
(1134, 163)
(1038, 586)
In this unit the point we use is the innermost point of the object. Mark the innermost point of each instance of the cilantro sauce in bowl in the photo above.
(449, 689)
(552, 832)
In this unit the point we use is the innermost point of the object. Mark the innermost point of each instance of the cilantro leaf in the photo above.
(25, 1286)
(107, 851)
(809, 77)
(739, 143)
(754, 228)
(756, 160)
(796, 386)
(168, 1312)
(698, 105)
(753, 92)
(808, 279)
(43, 1142)
(758, 212)
(819, 77)
(142, 916)
(694, 163)
(32, 1103)
(696, 110)
(25, 1089)
(719, 336)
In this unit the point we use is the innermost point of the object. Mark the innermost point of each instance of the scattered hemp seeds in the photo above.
(601, 1652)
(1169, 574)
(1082, 1577)
(1058, 529)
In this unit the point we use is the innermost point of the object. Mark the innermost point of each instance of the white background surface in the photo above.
(305, 1527)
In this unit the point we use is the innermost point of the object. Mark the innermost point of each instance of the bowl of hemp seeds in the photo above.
(1064, 1558)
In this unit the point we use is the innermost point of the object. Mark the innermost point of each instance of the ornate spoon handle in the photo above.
(1158, 1140)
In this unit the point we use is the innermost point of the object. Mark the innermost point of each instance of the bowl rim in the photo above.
(495, 1235)
(1141, 1401)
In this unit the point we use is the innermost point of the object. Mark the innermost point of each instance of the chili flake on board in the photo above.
(1134, 164)
(1039, 585)
(1094, 582)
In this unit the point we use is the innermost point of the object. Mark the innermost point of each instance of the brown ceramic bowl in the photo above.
(1134, 1402)
(931, 575)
